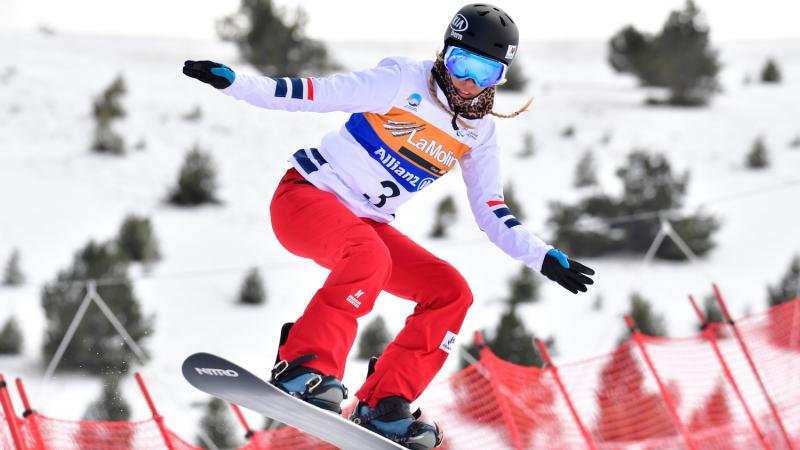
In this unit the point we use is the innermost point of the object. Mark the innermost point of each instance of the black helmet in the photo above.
(485, 29)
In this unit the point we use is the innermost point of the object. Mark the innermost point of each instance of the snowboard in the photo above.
(230, 382)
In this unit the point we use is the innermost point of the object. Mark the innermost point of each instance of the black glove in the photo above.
(566, 272)
(218, 75)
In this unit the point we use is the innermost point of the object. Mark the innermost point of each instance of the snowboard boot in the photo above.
(305, 383)
(392, 418)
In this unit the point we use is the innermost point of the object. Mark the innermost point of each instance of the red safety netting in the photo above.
(650, 393)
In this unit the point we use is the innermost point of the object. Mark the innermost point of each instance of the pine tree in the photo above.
(679, 58)
(514, 343)
(771, 73)
(586, 171)
(524, 287)
(758, 157)
(446, 214)
(95, 347)
(788, 288)
(252, 291)
(647, 321)
(374, 339)
(137, 241)
(713, 314)
(627, 411)
(217, 424)
(197, 180)
(715, 411)
(512, 203)
(273, 42)
(111, 405)
(108, 108)
(528, 145)
(12, 275)
(516, 81)
(11, 337)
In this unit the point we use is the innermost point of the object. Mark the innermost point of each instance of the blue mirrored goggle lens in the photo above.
(465, 64)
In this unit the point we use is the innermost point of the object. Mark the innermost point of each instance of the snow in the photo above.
(55, 195)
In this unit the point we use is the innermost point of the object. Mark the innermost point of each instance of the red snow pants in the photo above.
(366, 257)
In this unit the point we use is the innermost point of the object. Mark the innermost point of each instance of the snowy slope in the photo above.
(55, 195)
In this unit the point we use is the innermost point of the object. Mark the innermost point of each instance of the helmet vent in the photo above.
(502, 21)
(483, 13)
(509, 19)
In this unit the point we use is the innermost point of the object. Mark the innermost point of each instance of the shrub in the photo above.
(374, 339)
(137, 241)
(252, 291)
(446, 214)
(95, 347)
(106, 140)
(274, 43)
(679, 58)
(197, 180)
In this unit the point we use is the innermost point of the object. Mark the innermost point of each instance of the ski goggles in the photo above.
(463, 64)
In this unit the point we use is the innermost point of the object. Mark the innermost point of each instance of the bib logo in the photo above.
(413, 101)
(448, 342)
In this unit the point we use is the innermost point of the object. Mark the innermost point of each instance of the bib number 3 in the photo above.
(394, 191)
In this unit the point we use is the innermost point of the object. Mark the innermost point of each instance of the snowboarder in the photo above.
(410, 123)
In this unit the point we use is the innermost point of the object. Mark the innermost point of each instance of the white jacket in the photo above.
(396, 143)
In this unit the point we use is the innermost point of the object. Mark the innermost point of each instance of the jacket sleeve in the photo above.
(482, 176)
(371, 90)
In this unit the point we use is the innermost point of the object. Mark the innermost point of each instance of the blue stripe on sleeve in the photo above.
(511, 223)
(302, 159)
(315, 153)
(280, 87)
(297, 88)
(502, 212)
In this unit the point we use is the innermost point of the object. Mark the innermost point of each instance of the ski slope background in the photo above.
(55, 195)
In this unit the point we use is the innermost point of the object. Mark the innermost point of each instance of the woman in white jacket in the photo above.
(411, 123)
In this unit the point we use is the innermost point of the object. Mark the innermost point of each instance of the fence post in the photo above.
(751, 362)
(11, 416)
(248, 431)
(637, 337)
(708, 333)
(156, 416)
(29, 412)
(554, 370)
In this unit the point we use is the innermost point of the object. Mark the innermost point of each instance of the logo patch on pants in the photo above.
(448, 342)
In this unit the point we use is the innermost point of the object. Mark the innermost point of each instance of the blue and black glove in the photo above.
(570, 274)
(218, 75)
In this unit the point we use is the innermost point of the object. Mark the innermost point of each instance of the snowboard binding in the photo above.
(305, 383)
(392, 418)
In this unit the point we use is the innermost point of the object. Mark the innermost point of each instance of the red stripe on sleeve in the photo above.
(310, 88)
(495, 203)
